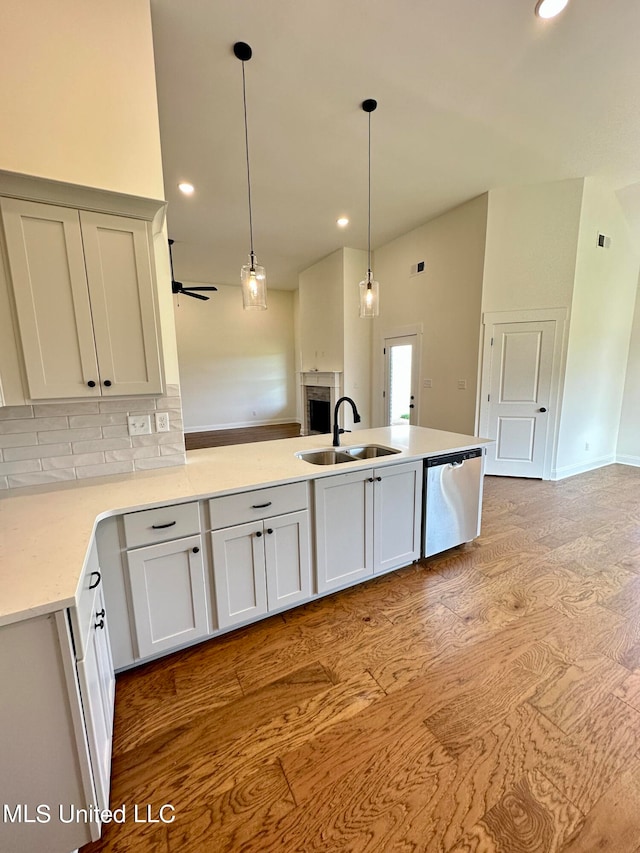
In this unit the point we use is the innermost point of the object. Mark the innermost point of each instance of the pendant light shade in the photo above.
(369, 296)
(253, 277)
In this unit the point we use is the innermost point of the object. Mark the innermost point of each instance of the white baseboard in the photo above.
(581, 467)
(628, 460)
(241, 424)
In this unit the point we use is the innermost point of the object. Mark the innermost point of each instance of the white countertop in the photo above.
(45, 533)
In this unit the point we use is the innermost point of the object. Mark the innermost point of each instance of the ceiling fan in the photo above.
(178, 287)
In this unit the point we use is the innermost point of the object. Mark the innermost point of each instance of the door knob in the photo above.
(542, 409)
(411, 406)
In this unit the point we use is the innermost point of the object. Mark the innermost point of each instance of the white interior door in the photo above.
(401, 380)
(519, 395)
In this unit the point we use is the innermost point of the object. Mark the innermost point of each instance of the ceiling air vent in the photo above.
(603, 241)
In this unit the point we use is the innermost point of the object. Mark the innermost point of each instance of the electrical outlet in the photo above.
(426, 383)
(139, 424)
(586, 445)
(462, 384)
(162, 421)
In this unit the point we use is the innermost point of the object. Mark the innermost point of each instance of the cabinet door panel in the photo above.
(168, 591)
(344, 521)
(239, 572)
(44, 246)
(288, 559)
(97, 687)
(121, 286)
(397, 509)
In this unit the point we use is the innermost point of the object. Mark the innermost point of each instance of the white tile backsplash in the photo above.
(52, 442)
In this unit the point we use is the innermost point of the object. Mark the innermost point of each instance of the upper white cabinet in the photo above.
(367, 521)
(83, 290)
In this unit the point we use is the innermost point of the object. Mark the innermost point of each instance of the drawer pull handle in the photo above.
(99, 624)
(100, 615)
(95, 583)
(261, 506)
(162, 526)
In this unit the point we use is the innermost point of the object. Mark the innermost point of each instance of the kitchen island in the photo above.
(134, 566)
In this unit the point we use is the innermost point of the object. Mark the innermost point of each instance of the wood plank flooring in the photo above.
(487, 699)
(244, 435)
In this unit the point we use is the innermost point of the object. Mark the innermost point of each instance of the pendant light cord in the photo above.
(246, 144)
(369, 216)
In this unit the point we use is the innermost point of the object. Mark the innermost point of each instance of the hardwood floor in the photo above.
(223, 437)
(487, 699)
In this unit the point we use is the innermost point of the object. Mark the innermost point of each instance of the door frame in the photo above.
(416, 329)
(534, 315)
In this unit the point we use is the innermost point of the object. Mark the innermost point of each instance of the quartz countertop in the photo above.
(45, 534)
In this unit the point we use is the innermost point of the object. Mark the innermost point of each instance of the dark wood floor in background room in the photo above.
(221, 437)
(487, 699)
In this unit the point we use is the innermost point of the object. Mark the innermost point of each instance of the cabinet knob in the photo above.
(542, 409)
(259, 533)
(269, 530)
(196, 550)
(107, 382)
(369, 479)
(91, 383)
(100, 614)
(99, 624)
(379, 479)
(94, 583)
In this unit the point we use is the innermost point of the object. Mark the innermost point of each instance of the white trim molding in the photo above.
(622, 459)
(583, 467)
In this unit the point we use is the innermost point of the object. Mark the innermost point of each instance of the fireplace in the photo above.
(319, 393)
(319, 416)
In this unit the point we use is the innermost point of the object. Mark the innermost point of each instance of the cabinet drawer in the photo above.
(83, 615)
(162, 524)
(262, 503)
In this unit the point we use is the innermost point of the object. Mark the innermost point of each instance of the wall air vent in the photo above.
(417, 269)
(603, 241)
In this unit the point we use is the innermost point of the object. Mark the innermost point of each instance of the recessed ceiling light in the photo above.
(343, 222)
(186, 188)
(550, 8)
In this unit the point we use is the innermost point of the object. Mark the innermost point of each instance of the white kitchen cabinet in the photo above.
(261, 566)
(84, 296)
(367, 521)
(168, 595)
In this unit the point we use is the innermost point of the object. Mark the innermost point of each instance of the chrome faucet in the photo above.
(336, 428)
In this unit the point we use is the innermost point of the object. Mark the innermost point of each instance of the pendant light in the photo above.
(253, 277)
(369, 299)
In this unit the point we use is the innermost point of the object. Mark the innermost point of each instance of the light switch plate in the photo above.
(139, 424)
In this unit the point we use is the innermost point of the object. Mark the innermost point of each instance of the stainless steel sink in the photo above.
(324, 457)
(338, 455)
(370, 451)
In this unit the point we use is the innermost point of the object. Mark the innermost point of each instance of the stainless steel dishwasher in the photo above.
(453, 500)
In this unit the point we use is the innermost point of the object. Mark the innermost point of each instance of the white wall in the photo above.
(357, 340)
(532, 242)
(78, 94)
(322, 314)
(628, 449)
(599, 333)
(234, 363)
(446, 299)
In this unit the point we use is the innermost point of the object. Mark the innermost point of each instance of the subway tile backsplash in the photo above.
(52, 442)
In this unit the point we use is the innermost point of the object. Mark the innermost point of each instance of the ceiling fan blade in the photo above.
(208, 287)
(195, 295)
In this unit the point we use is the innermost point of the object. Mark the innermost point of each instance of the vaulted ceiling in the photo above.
(471, 96)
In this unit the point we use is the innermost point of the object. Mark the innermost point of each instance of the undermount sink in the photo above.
(370, 451)
(336, 456)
